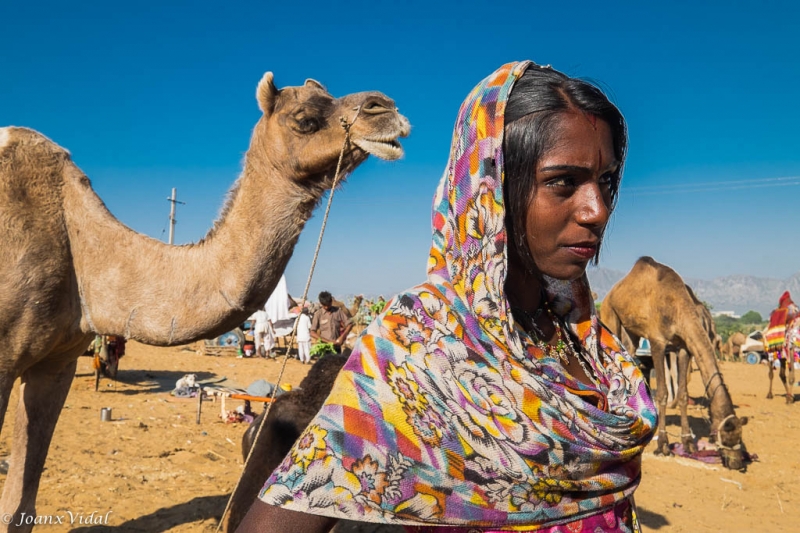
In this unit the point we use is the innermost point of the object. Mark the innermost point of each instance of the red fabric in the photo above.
(785, 300)
(778, 318)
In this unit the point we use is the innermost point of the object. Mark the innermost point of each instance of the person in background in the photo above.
(330, 323)
(263, 333)
(304, 337)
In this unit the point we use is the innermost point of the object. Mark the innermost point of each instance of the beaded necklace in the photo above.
(562, 349)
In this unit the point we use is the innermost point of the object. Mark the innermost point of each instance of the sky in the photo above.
(148, 96)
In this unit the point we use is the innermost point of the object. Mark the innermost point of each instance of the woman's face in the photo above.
(572, 196)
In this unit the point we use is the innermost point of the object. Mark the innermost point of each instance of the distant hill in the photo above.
(737, 293)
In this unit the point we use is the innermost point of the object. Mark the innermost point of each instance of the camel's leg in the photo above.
(6, 384)
(687, 438)
(657, 353)
(789, 378)
(784, 370)
(771, 363)
(672, 379)
(43, 390)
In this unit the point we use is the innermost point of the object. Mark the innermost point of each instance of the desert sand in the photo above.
(152, 468)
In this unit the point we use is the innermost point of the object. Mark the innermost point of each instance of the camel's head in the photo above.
(729, 442)
(301, 132)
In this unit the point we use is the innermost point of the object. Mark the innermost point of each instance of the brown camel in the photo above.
(792, 346)
(58, 286)
(356, 305)
(733, 346)
(288, 417)
(349, 311)
(652, 301)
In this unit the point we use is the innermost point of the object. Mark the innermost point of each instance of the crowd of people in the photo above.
(328, 325)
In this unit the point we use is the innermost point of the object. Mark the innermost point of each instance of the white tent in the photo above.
(277, 305)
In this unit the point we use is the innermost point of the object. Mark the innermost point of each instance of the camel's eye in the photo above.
(306, 123)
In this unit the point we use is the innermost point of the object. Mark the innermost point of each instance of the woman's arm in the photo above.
(265, 518)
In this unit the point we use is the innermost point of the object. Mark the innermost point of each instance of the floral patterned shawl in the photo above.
(446, 413)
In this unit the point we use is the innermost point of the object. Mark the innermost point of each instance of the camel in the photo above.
(652, 301)
(673, 353)
(733, 346)
(288, 417)
(59, 286)
(350, 311)
(356, 305)
(791, 347)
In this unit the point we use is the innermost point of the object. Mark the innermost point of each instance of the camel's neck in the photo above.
(721, 404)
(139, 287)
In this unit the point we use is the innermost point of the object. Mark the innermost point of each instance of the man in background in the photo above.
(330, 323)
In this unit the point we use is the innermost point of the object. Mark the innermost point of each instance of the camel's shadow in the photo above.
(650, 519)
(699, 426)
(166, 518)
(147, 381)
(702, 401)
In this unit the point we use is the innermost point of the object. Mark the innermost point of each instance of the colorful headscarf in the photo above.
(447, 413)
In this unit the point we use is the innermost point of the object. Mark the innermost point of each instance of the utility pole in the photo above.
(173, 200)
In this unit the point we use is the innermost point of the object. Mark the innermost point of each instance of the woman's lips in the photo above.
(584, 251)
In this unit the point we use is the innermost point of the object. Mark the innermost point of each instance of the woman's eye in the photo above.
(607, 179)
(565, 182)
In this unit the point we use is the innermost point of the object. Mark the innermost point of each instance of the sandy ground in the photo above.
(154, 469)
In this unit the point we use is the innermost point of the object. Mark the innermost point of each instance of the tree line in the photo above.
(747, 323)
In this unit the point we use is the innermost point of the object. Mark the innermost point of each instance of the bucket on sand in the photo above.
(105, 414)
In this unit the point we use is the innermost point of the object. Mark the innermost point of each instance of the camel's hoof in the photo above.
(789, 399)
(690, 447)
(662, 450)
(769, 396)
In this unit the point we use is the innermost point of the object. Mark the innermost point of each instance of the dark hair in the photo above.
(537, 99)
(325, 298)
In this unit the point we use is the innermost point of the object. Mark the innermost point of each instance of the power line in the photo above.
(711, 186)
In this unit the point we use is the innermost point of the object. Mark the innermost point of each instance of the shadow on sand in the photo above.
(698, 425)
(651, 520)
(166, 518)
(153, 381)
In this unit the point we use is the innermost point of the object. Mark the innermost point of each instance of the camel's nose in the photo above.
(376, 104)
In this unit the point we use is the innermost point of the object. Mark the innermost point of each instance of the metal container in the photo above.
(105, 414)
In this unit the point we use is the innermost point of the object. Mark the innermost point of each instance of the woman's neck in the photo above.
(523, 288)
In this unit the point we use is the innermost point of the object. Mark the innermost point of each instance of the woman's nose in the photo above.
(593, 208)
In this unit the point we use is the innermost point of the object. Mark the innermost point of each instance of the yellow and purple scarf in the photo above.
(447, 413)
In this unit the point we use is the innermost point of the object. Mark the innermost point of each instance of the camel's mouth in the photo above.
(387, 149)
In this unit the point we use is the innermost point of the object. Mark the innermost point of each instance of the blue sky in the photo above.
(153, 95)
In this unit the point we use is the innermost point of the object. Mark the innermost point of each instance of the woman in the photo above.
(489, 398)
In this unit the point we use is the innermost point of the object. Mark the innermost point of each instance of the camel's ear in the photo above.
(315, 83)
(743, 420)
(266, 94)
